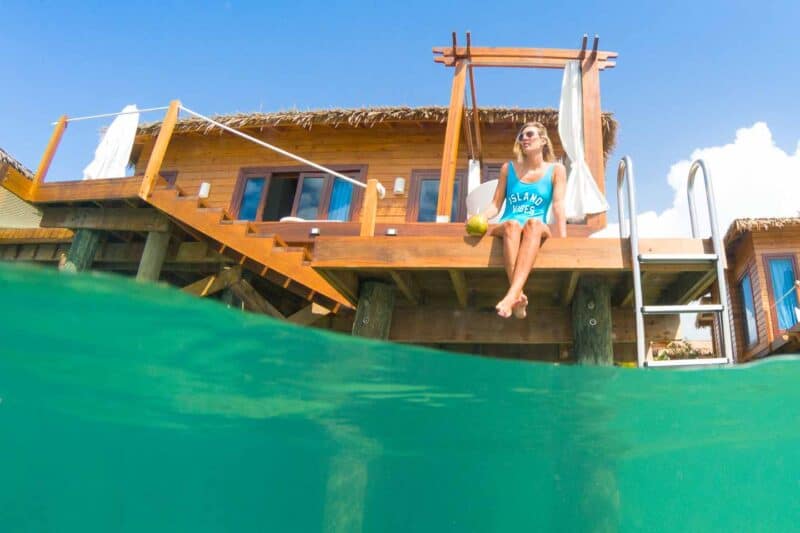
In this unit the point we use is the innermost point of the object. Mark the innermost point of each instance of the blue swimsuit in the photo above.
(528, 200)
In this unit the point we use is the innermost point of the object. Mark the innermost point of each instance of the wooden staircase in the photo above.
(266, 255)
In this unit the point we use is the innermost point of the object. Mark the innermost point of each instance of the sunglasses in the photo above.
(529, 134)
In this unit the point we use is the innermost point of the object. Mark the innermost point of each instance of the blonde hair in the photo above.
(547, 149)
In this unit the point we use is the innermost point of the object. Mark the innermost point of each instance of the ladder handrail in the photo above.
(721, 263)
(625, 176)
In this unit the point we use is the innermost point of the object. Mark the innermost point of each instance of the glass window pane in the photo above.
(310, 198)
(280, 196)
(341, 197)
(429, 196)
(251, 198)
(783, 292)
(751, 331)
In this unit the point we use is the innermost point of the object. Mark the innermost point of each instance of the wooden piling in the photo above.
(374, 311)
(591, 322)
(85, 244)
(155, 250)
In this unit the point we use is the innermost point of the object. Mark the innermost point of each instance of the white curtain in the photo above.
(582, 197)
(473, 175)
(114, 151)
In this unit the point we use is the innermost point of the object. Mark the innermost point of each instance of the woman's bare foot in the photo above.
(520, 308)
(505, 307)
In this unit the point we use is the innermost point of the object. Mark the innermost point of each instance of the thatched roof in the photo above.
(372, 116)
(740, 226)
(13, 163)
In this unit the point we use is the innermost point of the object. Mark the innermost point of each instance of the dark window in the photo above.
(750, 326)
(423, 197)
(274, 194)
(782, 277)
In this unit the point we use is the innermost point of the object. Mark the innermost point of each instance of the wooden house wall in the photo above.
(749, 257)
(388, 151)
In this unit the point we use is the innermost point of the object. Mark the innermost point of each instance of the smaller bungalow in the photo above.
(764, 291)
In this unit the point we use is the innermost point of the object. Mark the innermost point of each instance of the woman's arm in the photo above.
(559, 187)
(499, 194)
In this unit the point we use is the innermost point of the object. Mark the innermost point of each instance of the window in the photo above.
(783, 295)
(271, 194)
(750, 326)
(423, 197)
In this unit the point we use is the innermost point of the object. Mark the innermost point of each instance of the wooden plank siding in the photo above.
(387, 150)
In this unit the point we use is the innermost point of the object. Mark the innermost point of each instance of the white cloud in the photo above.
(752, 177)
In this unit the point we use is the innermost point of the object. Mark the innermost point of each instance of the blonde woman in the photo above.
(529, 186)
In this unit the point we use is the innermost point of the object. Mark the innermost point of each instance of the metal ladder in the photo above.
(625, 175)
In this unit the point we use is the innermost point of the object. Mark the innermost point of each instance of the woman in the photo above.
(529, 186)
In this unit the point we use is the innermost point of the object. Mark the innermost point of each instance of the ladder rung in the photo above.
(666, 259)
(678, 309)
(688, 362)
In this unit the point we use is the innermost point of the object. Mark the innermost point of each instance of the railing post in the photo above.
(455, 114)
(369, 210)
(159, 150)
(49, 153)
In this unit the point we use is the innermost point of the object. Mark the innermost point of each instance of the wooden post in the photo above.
(49, 153)
(451, 138)
(155, 250)
(159, 149)
(81, 252)
(593, 129)
(369, 210)
(591, 322)
(374, 310)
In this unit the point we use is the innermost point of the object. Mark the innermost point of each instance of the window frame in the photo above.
(776, 330)
(748, 274)
(414, 188)
(359, 173)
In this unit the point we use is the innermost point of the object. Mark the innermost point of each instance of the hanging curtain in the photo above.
(340, 200)
(114, 151)
(582, 196)
(783, 291)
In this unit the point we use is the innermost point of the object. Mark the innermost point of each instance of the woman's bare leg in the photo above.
(511, 232)
(532, 234)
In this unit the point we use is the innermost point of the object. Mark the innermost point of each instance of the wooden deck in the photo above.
(469, 271)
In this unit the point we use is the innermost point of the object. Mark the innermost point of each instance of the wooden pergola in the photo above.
(465, 59)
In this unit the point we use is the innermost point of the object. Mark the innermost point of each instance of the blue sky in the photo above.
(689, 74)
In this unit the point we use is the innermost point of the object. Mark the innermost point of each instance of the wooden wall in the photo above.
(748, 256)
(389, 150)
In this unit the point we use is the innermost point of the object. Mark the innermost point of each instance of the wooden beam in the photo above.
(591, 322)
(476, 117)
(405, 282)
(215, 283)
(82, 251)
(569, 288)
(155, 251)
(153, 169)
(34, 235)
(459, 285)
(444, 253)
(548, 325)
(253, 301)
(107, 218)
(450, 153)
(308, 315)
(593, 130)
(88, 190)
(518, 62)
(49, 153)
(687, 288)
(374, 310)
(490, 51)
(369, 211)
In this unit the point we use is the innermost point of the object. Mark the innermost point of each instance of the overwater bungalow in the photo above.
(353, 220)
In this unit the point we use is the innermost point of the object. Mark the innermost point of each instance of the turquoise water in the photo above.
(129, 407)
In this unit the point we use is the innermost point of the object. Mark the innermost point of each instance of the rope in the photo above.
(76, 119)
(381, 189)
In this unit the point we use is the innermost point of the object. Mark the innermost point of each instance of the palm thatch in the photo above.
(5, 158)
(740, 226)
(371, 116)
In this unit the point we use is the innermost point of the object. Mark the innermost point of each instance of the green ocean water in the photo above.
(131, 407)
